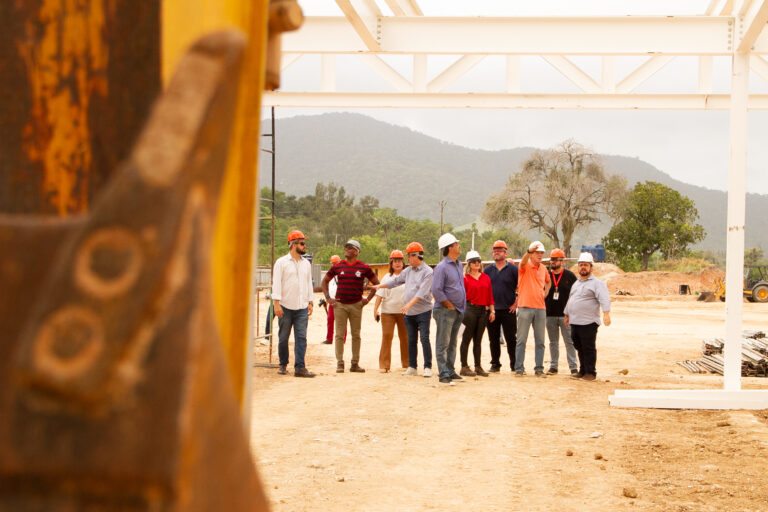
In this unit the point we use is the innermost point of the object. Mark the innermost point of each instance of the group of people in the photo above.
(500, 298)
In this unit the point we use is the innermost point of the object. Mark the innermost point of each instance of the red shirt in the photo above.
(351, 279)
(479, 291)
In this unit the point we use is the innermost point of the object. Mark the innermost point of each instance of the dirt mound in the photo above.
(601, 270)
(662, 283)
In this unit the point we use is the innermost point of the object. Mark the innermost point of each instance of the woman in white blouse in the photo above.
(391, 302)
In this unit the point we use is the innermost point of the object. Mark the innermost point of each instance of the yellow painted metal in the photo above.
(183, 21)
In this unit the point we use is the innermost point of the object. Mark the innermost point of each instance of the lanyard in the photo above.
(557, 281)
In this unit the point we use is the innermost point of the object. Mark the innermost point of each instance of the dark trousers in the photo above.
(417, 325)
(475, 320)
(507, 321)
(584, 337)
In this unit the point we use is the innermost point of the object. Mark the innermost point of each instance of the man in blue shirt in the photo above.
(450, 302)
(504, 283)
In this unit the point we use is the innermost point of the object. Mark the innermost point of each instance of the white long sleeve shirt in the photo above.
(292, 282)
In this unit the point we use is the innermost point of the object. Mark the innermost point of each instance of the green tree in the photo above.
(652, 218)
(556, 192)
(753, 256)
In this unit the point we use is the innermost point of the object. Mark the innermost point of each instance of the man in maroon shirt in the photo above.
(349, 302)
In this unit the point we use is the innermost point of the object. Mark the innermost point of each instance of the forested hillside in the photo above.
(412, 173)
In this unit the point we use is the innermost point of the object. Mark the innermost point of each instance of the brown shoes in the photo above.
(552, 371)
(354, 367)
(340, 367)
(479, 371)
(466, 372)
(588, 377)
(281, 370)
(303, 372)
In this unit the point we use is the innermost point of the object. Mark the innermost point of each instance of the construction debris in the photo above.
(754, 356)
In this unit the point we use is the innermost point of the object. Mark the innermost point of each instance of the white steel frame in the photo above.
(732, 28)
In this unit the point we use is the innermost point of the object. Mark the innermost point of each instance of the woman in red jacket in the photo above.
(479, 312)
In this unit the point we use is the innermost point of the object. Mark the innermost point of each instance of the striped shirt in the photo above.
(351, 278)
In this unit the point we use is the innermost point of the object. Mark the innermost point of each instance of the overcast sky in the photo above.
(691, 146)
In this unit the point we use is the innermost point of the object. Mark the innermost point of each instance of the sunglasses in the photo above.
(301, 243)
(556, 259)
(474, 260)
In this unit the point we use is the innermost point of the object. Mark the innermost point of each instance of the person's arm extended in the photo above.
(324, 286)
(375, 280)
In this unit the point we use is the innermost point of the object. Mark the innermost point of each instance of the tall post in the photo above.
(272, 239)
(442, 207)
(737, 175)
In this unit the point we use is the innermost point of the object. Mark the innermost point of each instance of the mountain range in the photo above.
(413, 172)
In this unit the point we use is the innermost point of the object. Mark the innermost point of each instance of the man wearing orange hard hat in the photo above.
(292, 295)
(562, 280)
(503, 275)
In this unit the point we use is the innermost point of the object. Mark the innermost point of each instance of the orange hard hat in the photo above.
(557, 253)
(295, 235)
(500, 243)
(335, 259)
(397, 253)
(413, 247)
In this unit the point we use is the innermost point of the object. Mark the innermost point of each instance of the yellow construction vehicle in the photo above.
(755, 286)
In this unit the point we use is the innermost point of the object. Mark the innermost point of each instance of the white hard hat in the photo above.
(536, 247)
(446, 240)
(473, 254)
(586, 257)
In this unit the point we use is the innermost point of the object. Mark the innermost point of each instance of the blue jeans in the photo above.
(415, 325)
(555, 324)
(296, 318)
(448, 322)
(526, 317)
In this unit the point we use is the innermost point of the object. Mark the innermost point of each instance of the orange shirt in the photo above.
(530, 288)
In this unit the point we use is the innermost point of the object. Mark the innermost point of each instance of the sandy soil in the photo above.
(387, 442)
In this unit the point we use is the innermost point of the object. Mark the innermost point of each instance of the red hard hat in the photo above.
(413, 247)
(500, 243)
(295, 235)
(335, 259)
(397, 253)
(557, 253)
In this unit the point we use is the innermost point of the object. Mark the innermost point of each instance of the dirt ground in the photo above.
(358, 442)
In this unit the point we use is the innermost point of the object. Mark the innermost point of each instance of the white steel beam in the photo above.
(510, 101)
(573, 73)
(760, 66)
(624, 35)
(715, 7)
(754, 21)
(714, 399)
(706, 64)
(645, 71)
(737, 189)
(364, 16)
(454, 72)
(386, 72)
(288, 59)
(405, 7)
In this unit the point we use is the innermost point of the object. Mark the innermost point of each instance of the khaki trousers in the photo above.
(354, 314)
(388, 322)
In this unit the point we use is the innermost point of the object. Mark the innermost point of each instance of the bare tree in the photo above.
(557, 191)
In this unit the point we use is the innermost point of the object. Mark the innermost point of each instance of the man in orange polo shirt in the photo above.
(532, 288)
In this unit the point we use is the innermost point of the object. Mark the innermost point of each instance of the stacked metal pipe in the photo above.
(754, 356)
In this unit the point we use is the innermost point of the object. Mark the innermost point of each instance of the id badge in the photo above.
(555, 295)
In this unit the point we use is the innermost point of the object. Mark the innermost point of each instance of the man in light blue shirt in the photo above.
(417, 310)
(450, 302)
(582, 314)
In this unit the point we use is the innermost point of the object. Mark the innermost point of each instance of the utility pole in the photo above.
(442, 207)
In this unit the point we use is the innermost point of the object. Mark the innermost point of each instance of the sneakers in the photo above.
(458, 378)
(466, 372)
(383, 370)
(447, 381)
(479, 371)
(410, 371)
(576, 376)
(552, 371)
(494, 368)
(281, 370)
(574, 372)
(427, 372)
(588, 377)
(520, 373)
(326, 342)
(540, 373)
(340, 367)
(303, 372)
(354, 367)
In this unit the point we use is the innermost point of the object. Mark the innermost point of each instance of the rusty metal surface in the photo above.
(114, 393)
(78, 79)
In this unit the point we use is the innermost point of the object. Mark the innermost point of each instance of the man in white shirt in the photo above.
(292, 295)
